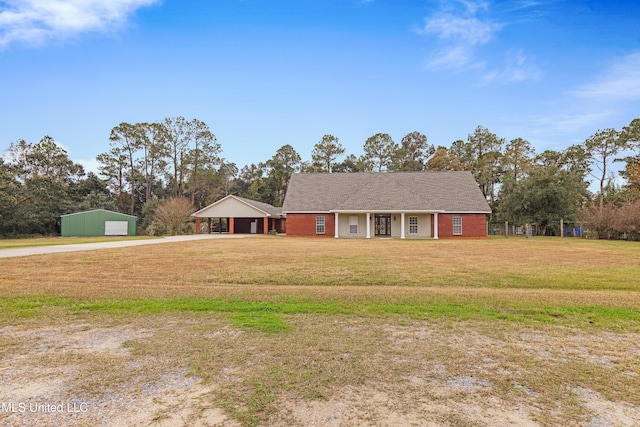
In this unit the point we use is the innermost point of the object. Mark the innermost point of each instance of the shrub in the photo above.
(614, 223)
(172, 213)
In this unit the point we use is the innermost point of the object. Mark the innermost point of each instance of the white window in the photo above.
(353, 224)
(319, 225)
(457, 225)
(413, 225)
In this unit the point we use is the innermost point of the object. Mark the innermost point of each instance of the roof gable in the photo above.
(237, 207)
(265, 207)
(452, 191)
(98, 210)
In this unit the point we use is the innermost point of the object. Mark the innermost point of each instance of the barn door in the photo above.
(116, 228)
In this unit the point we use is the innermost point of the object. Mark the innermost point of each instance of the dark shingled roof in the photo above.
(379, 192)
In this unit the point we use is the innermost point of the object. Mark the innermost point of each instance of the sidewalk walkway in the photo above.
(39, 250)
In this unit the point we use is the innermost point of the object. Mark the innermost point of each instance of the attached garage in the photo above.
(99, 222)
(237, 215)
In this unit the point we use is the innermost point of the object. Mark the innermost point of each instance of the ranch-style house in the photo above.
(399, 204)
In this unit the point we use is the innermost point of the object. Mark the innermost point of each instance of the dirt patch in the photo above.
(607, 413)
(35, 394)
(200, 371)
(371, 407)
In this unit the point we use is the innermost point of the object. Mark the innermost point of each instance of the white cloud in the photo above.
(474, 6)
(37, 21)
(518, 68)
(90, 165)
(461, 29)
(609, 101)
(461, 36)
(576, 121)
(619, 82)
(452, 57)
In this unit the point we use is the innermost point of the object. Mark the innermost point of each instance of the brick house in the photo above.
(399, 204)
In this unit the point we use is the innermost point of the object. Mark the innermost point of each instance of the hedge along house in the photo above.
(97, 222)
(392, 204)
(237, 215)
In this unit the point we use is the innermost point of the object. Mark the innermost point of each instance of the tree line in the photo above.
(150, 165)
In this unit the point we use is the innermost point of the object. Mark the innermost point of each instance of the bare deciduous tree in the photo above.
(173, 213)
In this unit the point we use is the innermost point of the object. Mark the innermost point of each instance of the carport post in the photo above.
(231, 225)
(266, 225)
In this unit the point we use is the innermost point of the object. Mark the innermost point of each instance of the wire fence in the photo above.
(508, 229)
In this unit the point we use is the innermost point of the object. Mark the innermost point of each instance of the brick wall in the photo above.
(473, 225)
(304, 224)
(281, 225)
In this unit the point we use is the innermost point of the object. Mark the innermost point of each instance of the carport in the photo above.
(237, 215)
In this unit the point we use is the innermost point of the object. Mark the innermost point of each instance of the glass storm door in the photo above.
(383, 225)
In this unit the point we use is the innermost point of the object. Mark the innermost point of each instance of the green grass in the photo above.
(268, 316)
(260, 320)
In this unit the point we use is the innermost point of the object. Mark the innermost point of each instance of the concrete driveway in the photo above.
(39, 250)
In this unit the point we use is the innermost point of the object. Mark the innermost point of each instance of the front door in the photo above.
(383, 225)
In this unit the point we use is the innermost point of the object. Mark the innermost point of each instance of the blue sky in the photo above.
(264, 73)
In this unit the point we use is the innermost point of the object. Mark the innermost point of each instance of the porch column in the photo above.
(368, 225)
(231, 225)
(402, 225)
(197, 225)
(266, 225)
(208, 225)
(435, 225)
(336, 225)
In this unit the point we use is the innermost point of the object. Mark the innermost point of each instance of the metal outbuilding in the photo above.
(99, 222)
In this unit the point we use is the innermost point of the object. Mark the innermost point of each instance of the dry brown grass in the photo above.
(351, 368)
(56, 241)
(327, 370)
(579, 271)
